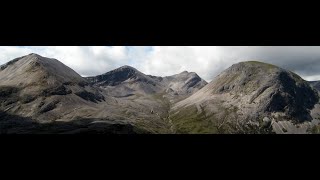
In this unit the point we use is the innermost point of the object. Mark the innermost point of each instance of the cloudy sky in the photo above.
(207, 61)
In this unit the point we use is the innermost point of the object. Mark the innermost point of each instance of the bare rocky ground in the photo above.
(42, 95)
(49, 94)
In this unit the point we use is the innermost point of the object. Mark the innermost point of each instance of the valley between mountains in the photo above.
(40, 95)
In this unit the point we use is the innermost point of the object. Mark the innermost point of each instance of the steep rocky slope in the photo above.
(249, 96)
(43, 89)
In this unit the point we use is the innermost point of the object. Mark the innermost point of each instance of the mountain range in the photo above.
(42, 95)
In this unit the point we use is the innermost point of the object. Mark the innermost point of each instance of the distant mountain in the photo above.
(185, 83)
(315, 84)
(127, 80)
(245, 96)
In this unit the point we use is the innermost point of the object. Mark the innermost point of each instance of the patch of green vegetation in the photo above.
(314, 129)
(163, 100)
(158, 96)
(153, 126)
(225, 121)
(189, 121)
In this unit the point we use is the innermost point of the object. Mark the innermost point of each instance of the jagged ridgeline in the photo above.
(42, 95)
(45, 91)
(128, 80)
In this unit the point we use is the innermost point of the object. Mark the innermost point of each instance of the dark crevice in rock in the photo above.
(88, 96)
(27, 98)
(60, 90)
(48, 107)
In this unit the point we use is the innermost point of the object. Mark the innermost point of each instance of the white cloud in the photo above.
(167, 60)
(210, 61)
(10, 52)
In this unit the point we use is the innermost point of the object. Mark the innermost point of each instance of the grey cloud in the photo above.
(304, 60)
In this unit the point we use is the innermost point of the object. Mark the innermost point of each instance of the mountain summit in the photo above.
(35, 69)
(247, 92)
(128, 80)
(120, 75)
(43, 88)
(185, 83)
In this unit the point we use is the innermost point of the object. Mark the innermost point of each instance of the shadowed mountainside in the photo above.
(13, 124)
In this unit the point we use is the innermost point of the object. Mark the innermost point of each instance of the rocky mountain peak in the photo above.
(250, 91)
(273, 88)
(126, 67)
(120, 75)
(35, 69)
